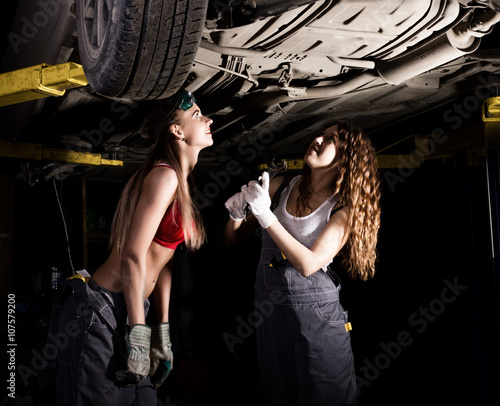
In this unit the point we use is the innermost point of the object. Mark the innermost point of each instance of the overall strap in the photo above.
(163, 164)
(277, 194)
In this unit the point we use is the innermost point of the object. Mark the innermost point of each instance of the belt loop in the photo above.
(82, 275)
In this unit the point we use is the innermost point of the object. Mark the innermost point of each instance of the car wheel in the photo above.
(140, 49)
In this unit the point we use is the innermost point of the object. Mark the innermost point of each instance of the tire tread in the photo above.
(148, 53)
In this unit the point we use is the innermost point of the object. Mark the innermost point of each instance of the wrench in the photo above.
(273, 169)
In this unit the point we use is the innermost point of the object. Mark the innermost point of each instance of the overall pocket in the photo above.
(285, 277)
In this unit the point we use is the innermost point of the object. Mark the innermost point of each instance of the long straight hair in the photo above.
(165, 150)
(358, 187)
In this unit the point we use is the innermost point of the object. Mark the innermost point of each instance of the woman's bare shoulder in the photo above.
(164, 174)
(160, 180)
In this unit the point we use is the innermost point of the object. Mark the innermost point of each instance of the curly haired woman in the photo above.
(330, 210)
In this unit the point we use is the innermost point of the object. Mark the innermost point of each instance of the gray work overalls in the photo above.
(303, 342)
(88, 328)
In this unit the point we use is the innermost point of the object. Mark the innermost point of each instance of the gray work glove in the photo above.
(236, 205)
(162, 358)
(138, 347)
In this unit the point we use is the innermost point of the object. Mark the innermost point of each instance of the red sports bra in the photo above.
(169, 233)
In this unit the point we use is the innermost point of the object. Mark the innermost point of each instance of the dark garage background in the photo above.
(425, 329)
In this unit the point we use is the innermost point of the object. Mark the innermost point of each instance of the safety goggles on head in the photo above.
(183, 100)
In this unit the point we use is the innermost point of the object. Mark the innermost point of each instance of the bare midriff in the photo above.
(109, 274)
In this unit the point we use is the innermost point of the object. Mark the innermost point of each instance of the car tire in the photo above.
(138, 49)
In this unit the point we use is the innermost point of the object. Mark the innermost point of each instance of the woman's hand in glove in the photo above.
(236, 205)
(257, 196)
(138, 348)
(162, 358)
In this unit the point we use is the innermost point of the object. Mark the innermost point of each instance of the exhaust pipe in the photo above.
(462, 39)
(278, 95)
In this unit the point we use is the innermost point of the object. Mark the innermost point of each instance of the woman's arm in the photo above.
(237, 231)
(161, 293)
(327, 245)
(305, 260)
(157, 193)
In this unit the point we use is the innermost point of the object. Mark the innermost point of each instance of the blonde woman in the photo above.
(330, 210)
(108, 362)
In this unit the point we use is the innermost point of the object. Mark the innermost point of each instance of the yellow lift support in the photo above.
(34, 83)
(40, 81)
(37, 152)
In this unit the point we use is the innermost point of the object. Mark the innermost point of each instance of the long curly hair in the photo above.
(358, 187)
(165, 149)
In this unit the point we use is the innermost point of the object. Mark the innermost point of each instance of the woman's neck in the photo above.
(188, 162)
(322, 182)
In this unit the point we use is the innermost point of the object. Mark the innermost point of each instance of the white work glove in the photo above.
(257, 197)
(237, 207)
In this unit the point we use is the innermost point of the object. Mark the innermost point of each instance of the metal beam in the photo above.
(491, 121)
(291, 164)
(37, 152)
(491, 109)
(40, 81)
(392, 161)
(386, 161)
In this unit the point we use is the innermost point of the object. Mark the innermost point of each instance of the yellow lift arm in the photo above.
(37, 152)
(40, 81)
(37, 82)
(491, 110)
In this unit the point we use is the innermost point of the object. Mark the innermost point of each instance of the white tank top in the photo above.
(304, 229)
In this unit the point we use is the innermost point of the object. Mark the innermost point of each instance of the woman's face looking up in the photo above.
(196, 127)
(321, 153)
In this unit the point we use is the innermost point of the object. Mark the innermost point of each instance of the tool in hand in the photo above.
(273, 169)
